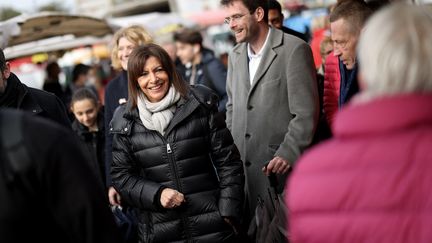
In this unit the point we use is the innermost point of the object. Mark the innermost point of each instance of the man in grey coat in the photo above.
(272, 108)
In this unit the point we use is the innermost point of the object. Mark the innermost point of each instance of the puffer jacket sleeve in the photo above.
(136, 190)
(226, 159)
(331, 88)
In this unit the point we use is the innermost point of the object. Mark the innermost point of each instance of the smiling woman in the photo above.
(151, 70)
(173, 157)
(154, 81)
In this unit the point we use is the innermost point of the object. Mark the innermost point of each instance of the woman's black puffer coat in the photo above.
(196, 156)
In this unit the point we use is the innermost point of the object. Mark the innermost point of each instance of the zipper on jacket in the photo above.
(173, 163)
(169, 148)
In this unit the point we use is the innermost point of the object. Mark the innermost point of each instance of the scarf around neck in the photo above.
(156, 116)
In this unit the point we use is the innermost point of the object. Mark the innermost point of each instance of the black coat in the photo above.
(50, 194)
(94, 143)
(196, 156)
(116, 92)
(37, 102)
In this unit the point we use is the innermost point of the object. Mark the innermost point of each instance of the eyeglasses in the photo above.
(235, 18)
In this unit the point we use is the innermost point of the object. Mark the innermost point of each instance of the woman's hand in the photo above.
(114, 197)
(171, 198)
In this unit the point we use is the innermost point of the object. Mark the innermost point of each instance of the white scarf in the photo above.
(156, 116)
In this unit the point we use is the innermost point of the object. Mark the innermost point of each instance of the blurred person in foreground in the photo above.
(116, 91)
(16, 95)
(48, 192)
(272, 108)
(371, 182)
(173, 157)
(200, 65)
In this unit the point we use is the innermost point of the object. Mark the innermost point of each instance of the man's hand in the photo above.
(171, 198)
(114, 197)
(277, 165)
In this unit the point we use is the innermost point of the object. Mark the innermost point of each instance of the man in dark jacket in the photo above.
(199, 64)
(14, 94)
(48, 193)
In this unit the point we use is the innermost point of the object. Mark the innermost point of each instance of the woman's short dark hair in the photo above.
(136, 63)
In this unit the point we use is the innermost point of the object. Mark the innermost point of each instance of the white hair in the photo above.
(395, 52)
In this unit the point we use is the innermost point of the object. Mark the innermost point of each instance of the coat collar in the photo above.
(269, 54)
(185, 107)
(275, 40)
(25, 101)
(384, 115)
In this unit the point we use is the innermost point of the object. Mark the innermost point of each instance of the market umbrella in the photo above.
(53, 44)
(269, 222)
(27, 28)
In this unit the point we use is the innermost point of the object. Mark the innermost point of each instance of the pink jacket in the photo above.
(372, 181)
(331, 88)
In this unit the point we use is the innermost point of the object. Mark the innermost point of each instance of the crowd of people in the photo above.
(190, 149)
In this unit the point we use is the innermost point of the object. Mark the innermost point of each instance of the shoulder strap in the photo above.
(17, 157)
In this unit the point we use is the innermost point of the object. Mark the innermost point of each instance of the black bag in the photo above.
(269, 223)
(127, 220)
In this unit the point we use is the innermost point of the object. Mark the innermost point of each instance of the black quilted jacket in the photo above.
(196, 156)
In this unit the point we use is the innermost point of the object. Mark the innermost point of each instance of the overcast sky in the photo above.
(30, 6)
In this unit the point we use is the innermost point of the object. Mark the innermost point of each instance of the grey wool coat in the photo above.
(276, 115)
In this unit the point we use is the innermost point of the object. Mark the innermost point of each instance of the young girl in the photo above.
(89, 126)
